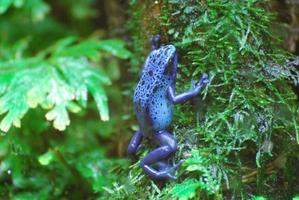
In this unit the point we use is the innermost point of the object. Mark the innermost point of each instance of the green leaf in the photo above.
(4, 5)
(86, 48)
(258, 198)
(36, 8)
(296, 198)
(185, 190)
(258, 159)
(99, 96)
(114, 47)
(46, 158)
(14, 101)
(94, 166)
(90, 48)
(60, 95)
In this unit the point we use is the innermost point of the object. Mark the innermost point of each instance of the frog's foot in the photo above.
(167, 175)
(167, 170)
(168, 146)
(165, 166)
(155, 41)
(204, 79)
(202, 82)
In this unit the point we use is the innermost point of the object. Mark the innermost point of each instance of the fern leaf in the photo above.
(57, 79)
(185, 190)
(99, 96)
(114, 47)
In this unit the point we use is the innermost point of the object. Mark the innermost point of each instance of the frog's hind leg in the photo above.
(134, 144)
(168, 146)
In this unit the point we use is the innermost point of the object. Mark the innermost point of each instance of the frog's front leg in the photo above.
(134, 144)
(167, 147)
(189, 94)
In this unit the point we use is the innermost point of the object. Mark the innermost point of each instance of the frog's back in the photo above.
(152, 107)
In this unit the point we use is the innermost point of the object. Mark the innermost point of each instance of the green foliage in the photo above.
(36, 8)
(48, 68)
(201, 165)
(296, 198)
(185, 190)
(258, 198)
(55, 79)
(46, 158)
(49, 171)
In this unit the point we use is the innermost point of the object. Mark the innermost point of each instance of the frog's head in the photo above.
(165, 59)
(168, 52)
(161, 55)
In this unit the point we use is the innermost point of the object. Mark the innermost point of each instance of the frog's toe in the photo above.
(171, 177)
(194, 84)
(205, 76)
(157, 38)
(177, 165)
(204, 79)
(168, 173)
(155, 41)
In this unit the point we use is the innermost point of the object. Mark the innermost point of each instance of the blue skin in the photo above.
(154, 98)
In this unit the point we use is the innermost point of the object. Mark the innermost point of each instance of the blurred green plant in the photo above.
(296, 198)
(258, 198)
(48, 68)
(54, 79)
(36, 8)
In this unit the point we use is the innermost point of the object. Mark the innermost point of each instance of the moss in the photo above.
(242, 130)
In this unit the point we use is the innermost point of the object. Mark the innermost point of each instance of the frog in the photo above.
(154, 100)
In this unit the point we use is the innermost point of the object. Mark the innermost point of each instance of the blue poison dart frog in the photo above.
(154, 98)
